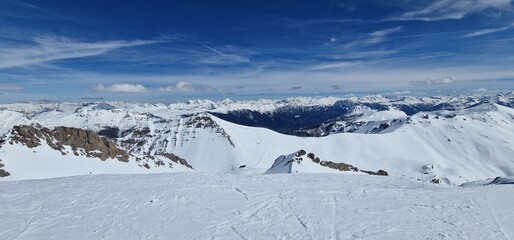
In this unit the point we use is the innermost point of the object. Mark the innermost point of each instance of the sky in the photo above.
(166, 51)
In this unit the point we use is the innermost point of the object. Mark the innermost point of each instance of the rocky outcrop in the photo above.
(205, 121)
(503, 180)
(176, 159)
(3, 173)
(378, 173)
(82, 142)
(337, 166)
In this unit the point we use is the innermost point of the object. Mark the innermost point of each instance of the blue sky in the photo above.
(165, 51)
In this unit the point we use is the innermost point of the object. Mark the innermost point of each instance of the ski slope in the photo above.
(275, 206)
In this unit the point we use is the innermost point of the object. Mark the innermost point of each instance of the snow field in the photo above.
(276, 206)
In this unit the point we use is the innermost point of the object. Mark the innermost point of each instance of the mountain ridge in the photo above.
(449, 145)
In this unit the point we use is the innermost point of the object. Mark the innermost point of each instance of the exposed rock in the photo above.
(301, 153)
(503, 180)
(337, 166)
(332, 165)
(378, 173)
(27, 135)
(110, 132)
(78, 139)
(3, 173)
(176, 159)
(435, 180)
(143, 132)
(205, 121)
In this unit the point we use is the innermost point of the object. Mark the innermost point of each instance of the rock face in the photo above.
(80, 140)
(176, 159)
(3, 173)
(204, 121)
(338, 166)
(503, 180)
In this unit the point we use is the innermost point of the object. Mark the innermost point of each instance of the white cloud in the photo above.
(10, 87)
(401, 93)
(186, 86)
(453, 9)
(488, 31)
(374, 38)
(122, 88)
(51, 48)
(431, 82)
(364, 54)
(385, 32)
(224, 59)
(332, 65)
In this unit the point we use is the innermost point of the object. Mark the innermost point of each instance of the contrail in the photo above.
(212, 49)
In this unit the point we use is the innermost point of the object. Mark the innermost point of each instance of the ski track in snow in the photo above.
(225, 206)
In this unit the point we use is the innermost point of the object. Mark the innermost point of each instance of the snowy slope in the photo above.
(446, 146)
(294, 163)
(473, 145)
(45, 162)
(274, 206)
(303, 162)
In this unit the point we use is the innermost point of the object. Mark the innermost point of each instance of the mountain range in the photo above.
(439, 139)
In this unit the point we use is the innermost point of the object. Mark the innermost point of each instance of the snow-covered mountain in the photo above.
(321, 117)
(439, 139)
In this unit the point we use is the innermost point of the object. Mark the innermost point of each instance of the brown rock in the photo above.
(93, 144)
(176, 159)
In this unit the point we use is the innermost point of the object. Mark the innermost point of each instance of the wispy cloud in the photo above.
(363, 54)
(489, 31)
(325, 66)
(50, 48)
(453, 9)
(222, 58)
(122, 88)
(186, 86)
(10, 87)
(431, 82)
(385, 32)
(22, 9)
(374, 38)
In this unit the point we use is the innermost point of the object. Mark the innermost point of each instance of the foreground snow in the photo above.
(277, 206)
